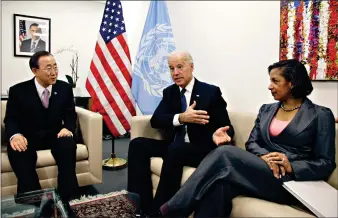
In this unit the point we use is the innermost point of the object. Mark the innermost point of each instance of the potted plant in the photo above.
(73, 78)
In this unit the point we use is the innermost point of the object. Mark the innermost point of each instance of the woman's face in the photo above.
(280, 88)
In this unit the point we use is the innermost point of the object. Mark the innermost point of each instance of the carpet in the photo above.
(114, 204)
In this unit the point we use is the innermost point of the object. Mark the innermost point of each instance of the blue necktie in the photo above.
(180, 133)
(183, 100)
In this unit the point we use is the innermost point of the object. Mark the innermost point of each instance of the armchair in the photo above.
(88, 156)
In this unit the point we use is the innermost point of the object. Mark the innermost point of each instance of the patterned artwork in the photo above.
(309, 33)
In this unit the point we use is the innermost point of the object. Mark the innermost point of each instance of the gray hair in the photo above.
(183, 54)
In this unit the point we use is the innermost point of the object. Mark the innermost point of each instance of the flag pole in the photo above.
(114, 163)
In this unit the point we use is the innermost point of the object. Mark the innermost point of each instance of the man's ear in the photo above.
(192, 65)
(34, 70)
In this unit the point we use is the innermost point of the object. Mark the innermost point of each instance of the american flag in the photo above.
(309, 33)
(109, 80)
(22, 31)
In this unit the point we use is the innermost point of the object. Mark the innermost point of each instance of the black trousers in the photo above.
(64, 152)
(175, 157)
(225, 173)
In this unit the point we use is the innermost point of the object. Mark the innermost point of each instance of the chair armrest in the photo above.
(91, 128)
(140, 127)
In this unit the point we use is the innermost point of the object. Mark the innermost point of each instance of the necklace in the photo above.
(288, 110)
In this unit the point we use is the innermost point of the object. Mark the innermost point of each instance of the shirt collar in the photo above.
(40, 88)
(190, 85)
(36, 41)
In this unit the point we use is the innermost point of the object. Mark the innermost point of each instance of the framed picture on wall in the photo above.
(31, 34)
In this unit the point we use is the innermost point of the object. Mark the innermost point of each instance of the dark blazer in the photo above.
(26, 46)
(208, 97)
(308, 141)
(24, 112)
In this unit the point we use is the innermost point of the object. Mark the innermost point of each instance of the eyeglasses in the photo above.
(50, 69)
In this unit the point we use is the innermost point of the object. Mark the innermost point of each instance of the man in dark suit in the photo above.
(190, 112)
(41, 115)
(35, 43)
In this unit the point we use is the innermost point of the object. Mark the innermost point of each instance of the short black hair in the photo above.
(34, 24)
(295, 72)
(34, 60)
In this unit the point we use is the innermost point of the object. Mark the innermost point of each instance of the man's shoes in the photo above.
(150, 215)
(156, 213)
(65, 209)
(107, 137)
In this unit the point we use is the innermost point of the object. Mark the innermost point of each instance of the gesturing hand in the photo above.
(280, 159)
(19, 143)
(194, 116)
(220, 136)
(64, 133)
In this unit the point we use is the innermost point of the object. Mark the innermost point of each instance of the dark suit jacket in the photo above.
(210, 99)
(308, 141)
(24, 110)
(26, 46)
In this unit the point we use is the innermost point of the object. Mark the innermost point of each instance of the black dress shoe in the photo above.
(65, 209)
(156, 213)
(140, 214)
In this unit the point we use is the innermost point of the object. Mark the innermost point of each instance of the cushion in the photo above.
(45, 158)
(156, 165)
(254, 207)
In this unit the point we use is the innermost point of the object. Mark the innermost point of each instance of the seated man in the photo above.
(190, 112)
(40, 115)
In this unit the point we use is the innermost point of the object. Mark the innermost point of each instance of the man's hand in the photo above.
(64, 133)
(273, 166)
(220, 136)
(19, 143)
(194, 116)
(280, 159)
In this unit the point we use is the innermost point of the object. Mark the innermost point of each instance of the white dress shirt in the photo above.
(187, 95)
(40, 89)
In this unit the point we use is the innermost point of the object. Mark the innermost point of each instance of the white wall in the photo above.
(72, 24)
(232, 43)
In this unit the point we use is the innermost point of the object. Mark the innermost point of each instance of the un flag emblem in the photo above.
(151, 62)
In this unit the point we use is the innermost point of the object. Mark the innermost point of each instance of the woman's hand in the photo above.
(274, 167)
(281, 160)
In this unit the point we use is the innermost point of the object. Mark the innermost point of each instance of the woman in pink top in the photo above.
(292, 139)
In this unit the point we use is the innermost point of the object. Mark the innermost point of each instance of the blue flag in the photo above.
(151, 72)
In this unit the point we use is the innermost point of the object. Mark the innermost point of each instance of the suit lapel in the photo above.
(195, 93)
(302, 119)
(34, 93)
(54, 98)
(265, 121)
(176, 96)
(39, 45)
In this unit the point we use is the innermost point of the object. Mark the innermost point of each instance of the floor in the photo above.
(112, 180)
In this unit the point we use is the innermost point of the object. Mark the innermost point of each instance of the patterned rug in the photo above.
(114, 204)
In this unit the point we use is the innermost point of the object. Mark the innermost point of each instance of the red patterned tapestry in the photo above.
(309, 33)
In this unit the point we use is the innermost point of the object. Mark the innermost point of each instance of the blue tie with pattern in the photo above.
(181, 129)
(183, 100)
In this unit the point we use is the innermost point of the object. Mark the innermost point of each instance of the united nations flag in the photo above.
(151, 72)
